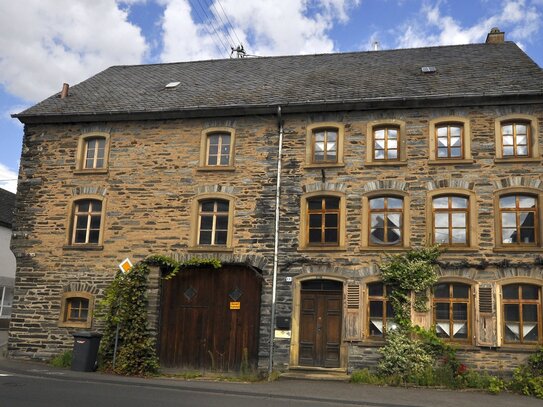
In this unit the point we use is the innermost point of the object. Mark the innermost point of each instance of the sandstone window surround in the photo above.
(452, 218)
(212, 222)
(324, 145)
(452, 311)
(520, 312)
(517, 139)
(386, 143)
(93, 153)
(450, 140)
(518, 219)
(322, 221)
(217, 149)
(385, 220)
(76, 309)
(379, 311)
(86, 223)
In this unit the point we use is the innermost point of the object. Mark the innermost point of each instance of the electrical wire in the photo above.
(229, 22)
(218, 44)
(210, 21)
(232, 41)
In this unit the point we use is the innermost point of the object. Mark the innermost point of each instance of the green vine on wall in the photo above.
(125, 306)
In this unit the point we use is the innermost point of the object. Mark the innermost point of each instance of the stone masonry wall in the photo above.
(152, 178)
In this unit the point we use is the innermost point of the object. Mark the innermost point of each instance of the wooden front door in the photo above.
(201, 325)
(320, 323)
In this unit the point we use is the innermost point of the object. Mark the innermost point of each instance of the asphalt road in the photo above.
(34, 385)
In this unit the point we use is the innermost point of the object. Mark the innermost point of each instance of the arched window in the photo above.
(380, 311)
(516, 138)
(449, 140)
(93, 153)
(217, 149)
(76, 309)
(324, 144)
(521, 311)
(452, 311)
(386, 143)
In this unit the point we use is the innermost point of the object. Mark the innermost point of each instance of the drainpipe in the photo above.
(276, 238)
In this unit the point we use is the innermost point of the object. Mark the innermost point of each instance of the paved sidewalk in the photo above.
(340, 394)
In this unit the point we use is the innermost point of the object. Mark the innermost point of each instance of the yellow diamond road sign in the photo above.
(125, 265)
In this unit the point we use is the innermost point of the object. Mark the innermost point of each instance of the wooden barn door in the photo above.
(320, 323)
(210, 318)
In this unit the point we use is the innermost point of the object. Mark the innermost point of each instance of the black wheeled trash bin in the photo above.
(85, 353)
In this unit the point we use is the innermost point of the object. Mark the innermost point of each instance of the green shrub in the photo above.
(528, 379)
(63, 359)
(367, 377)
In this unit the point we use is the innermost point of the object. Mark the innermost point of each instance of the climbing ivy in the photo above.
(125, 306)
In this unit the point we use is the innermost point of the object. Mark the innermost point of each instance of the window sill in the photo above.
(322, 249)
(217, 168)
(511, 347)
(449, 161)
(384, 248)
(65, 324)
(323, 165)
(90, 247)
(447, 249)
(210, 249)
(516, 160)
(523, 249)
(91, 171)
(385, 164)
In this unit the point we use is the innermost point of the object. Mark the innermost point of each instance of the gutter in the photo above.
(452, 100)
(276, 238)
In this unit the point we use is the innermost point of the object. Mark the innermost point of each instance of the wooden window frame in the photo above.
(323, 211)
(213, 215)
(450, 211)
(532, 138)
(386, 150)
(71, 221)
(472, 224)
(365, 241)
(375, 125)
(82, 147)
(537, 194)
(434, 125)
(520, 301)
(204, 149)
(386, 211)
(453, 300)
(384, 300)
(195, 222)
(311, 129)
(304, 222)
(64, 321)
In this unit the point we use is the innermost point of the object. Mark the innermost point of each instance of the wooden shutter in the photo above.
(353, 312)
(485, 321)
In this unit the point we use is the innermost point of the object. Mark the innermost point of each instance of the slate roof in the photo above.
(490, 70)
(7, 207)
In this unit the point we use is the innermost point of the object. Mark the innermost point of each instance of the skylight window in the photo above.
(172, 85)
(428, 69)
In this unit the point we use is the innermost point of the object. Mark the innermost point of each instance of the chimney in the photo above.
(495, 36)
(376, 46)
(65, 89)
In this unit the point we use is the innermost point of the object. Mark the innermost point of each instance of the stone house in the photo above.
(366, 153)
(7, 259)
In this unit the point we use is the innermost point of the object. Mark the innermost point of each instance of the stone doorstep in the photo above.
(310, 373)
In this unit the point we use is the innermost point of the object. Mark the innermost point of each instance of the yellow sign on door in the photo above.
(235, 305)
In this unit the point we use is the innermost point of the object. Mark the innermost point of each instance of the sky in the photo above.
(44, 43)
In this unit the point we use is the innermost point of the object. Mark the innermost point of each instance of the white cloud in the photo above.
(265, 27)
(44, 43)
(519, 19)
(8, 179)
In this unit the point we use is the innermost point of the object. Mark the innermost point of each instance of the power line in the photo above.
(218, 44)
(229, 22)
(210, 21)
(233, 43)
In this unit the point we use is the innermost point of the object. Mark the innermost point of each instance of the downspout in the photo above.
(276, 238)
